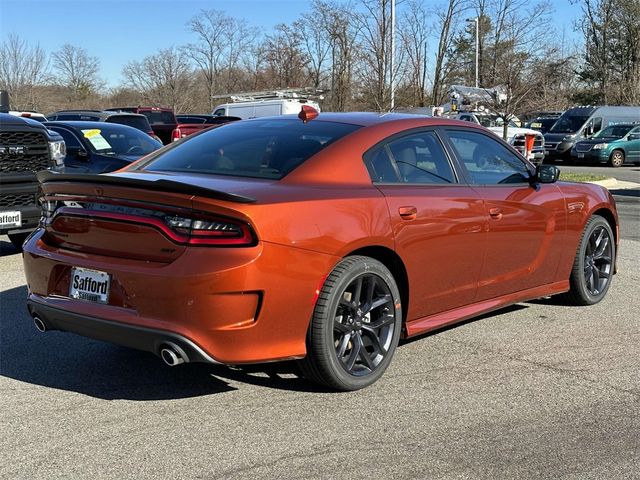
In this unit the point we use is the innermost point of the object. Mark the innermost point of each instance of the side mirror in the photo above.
(546, 174)
(633, 136)
(78, 152)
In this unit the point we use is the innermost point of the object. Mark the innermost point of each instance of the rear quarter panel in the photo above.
(582, 201)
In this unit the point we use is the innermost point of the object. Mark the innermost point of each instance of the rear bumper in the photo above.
(132, 336)
(239, 305)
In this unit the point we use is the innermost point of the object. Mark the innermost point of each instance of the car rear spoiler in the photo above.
(48, 176)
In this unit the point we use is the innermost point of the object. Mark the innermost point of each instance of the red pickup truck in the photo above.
(162, 120)
(192, 123)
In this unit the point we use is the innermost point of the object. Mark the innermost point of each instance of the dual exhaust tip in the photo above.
(171, 354)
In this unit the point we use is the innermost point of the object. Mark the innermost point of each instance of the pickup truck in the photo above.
(197, 122)
(26, 147)
(515, 135)
(163, 121)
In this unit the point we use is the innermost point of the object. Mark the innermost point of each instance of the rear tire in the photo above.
(616, 159)
(17, 239)
(355, 326)
(593, 265)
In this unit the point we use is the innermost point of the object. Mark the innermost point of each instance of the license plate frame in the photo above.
(580, 155)
(89, 285)
(14, 215)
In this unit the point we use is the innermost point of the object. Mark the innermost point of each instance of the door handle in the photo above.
(408, 213)
(495, 213)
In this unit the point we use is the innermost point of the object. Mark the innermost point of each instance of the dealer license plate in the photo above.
(89, 285)
(10, 219)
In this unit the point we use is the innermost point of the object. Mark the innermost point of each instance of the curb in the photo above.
(606, 183)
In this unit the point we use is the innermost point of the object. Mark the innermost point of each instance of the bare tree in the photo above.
(22, 69)
(374, 71)
(77, 71)
(162, 79)
(285, 58)
(341, 33)
(448, 19)
(611, 50)
(218, 50)
(415, 41)
(316, 47)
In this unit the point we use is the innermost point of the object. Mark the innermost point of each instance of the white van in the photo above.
(263, 108)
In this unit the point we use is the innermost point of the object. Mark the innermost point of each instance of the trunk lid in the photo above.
(126, 215)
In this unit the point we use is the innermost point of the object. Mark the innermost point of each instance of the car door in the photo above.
(437, 222)
(525, 223)
(632, 145)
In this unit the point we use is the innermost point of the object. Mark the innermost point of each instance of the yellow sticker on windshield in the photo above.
(91, 133)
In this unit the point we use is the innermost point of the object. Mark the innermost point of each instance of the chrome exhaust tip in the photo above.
(171, 357)
(39, 324)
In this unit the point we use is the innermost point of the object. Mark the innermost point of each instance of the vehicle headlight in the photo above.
(568, 137)
(600, 146)
(58, 151)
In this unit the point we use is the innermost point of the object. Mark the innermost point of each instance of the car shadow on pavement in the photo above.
(70, 362)
(7, 248)
(507, 309)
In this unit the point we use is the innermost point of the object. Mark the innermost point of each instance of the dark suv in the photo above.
(124, 118)
(163, 120)
(26, 147)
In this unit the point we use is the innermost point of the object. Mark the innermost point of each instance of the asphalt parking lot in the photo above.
(538, 390)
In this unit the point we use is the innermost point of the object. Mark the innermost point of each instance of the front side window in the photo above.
(487, 161)
(417, 158)
(259, 148)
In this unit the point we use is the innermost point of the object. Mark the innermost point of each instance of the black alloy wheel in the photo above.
(363, 324)
(593, 266)
(356, 325)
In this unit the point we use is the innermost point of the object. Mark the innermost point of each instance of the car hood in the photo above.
(595, 141)
(556, 137)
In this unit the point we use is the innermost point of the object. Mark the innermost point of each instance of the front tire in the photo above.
(355, 326)
(617, 158)
(593, 265)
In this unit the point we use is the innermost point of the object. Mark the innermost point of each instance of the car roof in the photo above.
(97, 113)
(365, 119)
(82, 124)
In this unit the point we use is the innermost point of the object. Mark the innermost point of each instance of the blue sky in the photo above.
(118, 31)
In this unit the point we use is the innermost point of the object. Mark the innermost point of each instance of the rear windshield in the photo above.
(257, 148)
(140, 123)
(77, 116)
(184, 119)
(159, 118)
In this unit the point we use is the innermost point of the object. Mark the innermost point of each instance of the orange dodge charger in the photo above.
(323, 238)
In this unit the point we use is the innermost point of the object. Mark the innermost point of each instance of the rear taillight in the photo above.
(176, 134)
(211, 231)
(181, 227)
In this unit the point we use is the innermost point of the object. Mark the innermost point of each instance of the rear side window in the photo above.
(486, 160)
(417, 158)
(140, 123)
(259, 148)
